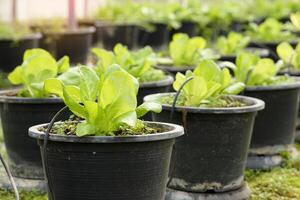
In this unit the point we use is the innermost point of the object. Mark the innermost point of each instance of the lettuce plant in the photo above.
(8, 31)
(289, 55)
(294, 24)
(105, 102)
(232, 44)
(254, 71)
(209, 82)
(188, 51)
(138, 63)
(38, 65)
(271, 30)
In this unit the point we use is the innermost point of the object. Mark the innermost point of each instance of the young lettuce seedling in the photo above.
(38, 65)
(271, 30)
(232, 44)
(254, 71)
(105, 103)
(138, 63)
(186, 51)
(289, 55)
(208, 84)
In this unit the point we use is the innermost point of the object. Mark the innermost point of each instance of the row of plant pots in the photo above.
(207, 144)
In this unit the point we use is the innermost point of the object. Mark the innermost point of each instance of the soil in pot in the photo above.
(76, 44)
(12, 51)
(17, 114)
(157, 39)
(274, 129)
(109, 167)
(210, 158)
(187, 27)
(263, 53)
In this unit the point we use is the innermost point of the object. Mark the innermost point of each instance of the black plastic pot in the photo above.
(238, 26)
(111, 34)
(211, 156)
(114, 168)
(157, 39)
(17, 115)
(263, 53)
(76, 44)
(274, 129)
(91, 23)
(271, 46)
(189, 28)
(12, 51)
(154, 87)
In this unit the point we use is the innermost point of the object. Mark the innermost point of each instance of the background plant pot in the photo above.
(274, 126)
(112, 34)
(271, 46)
(263, 53)
(76, 44)
(153, 88)
(211, 156)
(12, 51)
(133, 167)
(187, 27)
(17, 115)
(173, 70)
(91, 23)
(157, 39)
(238, 26)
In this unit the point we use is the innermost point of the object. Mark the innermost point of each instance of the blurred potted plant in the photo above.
(274, 129)
(269, 34)
(14, 40)
(24, 107)
(110, 150)
(290, 59)
(209, 160)
(228, 47)
(185, 53)
(139, 64)
(61, 39)
(116, 22)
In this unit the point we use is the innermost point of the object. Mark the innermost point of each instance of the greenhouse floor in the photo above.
(281, 183)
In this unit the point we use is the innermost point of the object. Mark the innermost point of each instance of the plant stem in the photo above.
(72, 23)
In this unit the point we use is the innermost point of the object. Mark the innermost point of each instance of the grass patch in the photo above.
(6, 195)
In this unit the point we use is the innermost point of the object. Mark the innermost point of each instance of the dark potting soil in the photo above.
(219, 102)
(68, 127)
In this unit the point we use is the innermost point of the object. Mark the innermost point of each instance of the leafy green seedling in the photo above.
(138, 63)
(208, 83)
(289, 55)
(232, 44)
(186, 51)
(106, 102)
(38, 65)
(271, 30)
(254, 71)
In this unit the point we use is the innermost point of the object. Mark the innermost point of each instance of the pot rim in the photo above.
(26, 100)
(30, 36)
(172, 132)
(261, 51)
(165, 82)
(292, 42)
(285, 86)
(77, 31)
(255, 105)
(173, 68)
